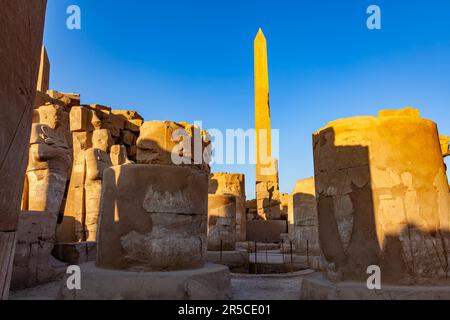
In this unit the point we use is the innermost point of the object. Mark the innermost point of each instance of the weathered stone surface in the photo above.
(127, 114)
(35, 241)
(221, 222)
(19, 20)
(303, 218)
(266, 230)
(234, 184)
(99, 141)
(317, 287)
(267, 189)
(75, 253)
(80, 119)
(284, 205)
(209, 282)
(134, 125)
(97, 160)
(113, 123)
(381, 199)
(91, 157)
(158, 140)
(155, 143)
(67, 99)
(445, 145)
(106, 110)
(118, 155)
(127, 137)
(153, 217)
(49, 161)
(42, 99)
(268, 198)
(250, 210)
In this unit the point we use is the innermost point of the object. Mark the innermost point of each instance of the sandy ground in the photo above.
(243, 286)
(47, 291)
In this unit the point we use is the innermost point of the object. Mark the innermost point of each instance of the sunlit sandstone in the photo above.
(221, 222)
(233, 184)
(267, 189)
(383, 196)
(21, 25)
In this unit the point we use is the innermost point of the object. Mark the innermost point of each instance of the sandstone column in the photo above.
(234, 184)
(267, 190)
(303, 222)
(382, 196)
(19, 20)
(221, 222)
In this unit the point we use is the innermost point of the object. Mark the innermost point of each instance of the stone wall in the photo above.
(101, 138)
(19, 20)
(33, 263)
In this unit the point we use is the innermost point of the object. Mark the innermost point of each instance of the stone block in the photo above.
(221, 222)
(75, 253)
(265, 230)
(209, 282)
(153, 217)
(35, 241)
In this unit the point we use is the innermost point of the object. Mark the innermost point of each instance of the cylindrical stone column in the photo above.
(383, 196)
(221, 222)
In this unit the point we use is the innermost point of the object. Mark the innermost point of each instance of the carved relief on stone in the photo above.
(49, 161)
(382, 201)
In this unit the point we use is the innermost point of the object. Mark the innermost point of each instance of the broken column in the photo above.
(232, 184)
(20, 20)
(169, 207)
(163, 227)
(382, 196)
(303, 223)
(153, 223)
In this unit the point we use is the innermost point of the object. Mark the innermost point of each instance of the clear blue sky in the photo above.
(193, 60)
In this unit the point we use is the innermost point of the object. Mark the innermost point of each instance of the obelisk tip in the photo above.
(260, 35)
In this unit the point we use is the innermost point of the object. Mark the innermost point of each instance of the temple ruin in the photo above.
(135, 204)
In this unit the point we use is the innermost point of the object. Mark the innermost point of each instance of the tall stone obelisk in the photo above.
(267, 190)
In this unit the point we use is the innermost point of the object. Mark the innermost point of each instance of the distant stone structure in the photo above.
(303, 226)
(221, 222)
(21, 19)
(43, 83)
(221, 183)
(267, 188)
(383, 197)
